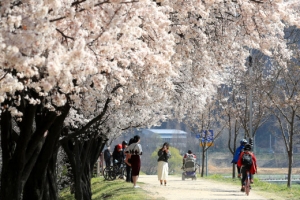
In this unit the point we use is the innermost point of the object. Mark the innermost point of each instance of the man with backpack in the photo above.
(237, 153)
(247, 162)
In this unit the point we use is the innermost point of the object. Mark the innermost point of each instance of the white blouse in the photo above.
(135, 149)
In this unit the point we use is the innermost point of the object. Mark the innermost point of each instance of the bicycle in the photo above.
(120, 171)
(247, 183)
(112, 172)
(108, 173)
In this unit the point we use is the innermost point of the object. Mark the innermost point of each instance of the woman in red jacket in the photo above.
(247, 162)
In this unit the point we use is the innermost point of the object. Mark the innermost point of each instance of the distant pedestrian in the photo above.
(135, 150)
(107, 156)
(128, 162)
(163, 166)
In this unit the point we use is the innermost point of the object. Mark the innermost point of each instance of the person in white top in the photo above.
(135, 150)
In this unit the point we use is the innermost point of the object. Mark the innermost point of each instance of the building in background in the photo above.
(174, 137)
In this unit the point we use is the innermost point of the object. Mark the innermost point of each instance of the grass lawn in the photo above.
(264, 188)
(121, 190)
(116, 190)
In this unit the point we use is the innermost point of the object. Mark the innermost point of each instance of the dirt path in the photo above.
(178, 189)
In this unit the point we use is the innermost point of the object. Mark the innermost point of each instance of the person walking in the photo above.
(135, 151)
(163, 166)
(107, 157)
(237, 153)
(128, 162)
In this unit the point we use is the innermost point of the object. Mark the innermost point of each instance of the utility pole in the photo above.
(206, 165)
(250, 101)
(199, 155)
(250, 98)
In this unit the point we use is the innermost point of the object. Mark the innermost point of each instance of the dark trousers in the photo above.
(128, 174)
(107, 163)
(238, 169)
(244, 174)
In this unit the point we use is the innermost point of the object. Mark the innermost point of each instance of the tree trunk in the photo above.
(9, 180)
(41, 184)
(234, 165)
(19, 151)
(21, 148)
(290, 158)
(233, 170)
(82, 157)
(203, 161)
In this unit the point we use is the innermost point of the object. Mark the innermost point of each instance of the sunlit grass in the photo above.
(116, 190)
(280, 190)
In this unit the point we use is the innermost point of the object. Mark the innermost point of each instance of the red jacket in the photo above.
(253, 168)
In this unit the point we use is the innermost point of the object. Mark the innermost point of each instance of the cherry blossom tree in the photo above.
(83, 153)
(206, 120)
(283, 92)
(228, 104)
(73, 59)
(234, 101)
(213, 37)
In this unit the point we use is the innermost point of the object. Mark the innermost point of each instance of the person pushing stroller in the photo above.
(188, 156)
(189, 166)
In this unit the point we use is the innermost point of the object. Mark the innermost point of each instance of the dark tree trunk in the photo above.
(20, 151)
(290, 160)
(234, 147)
(233, 170)
(83, 156)
(41, 184)
(10, 177)
(203, 161)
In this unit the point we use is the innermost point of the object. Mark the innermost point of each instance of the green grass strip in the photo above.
(264, 188)
(116, 190)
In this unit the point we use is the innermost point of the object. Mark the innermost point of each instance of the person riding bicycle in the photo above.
(247, 162)
(237, 153)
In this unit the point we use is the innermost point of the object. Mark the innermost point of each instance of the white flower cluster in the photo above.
(79, 54)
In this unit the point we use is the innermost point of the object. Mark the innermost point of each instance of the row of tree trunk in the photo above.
(29, 155)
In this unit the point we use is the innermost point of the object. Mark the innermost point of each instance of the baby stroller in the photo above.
(190, 169)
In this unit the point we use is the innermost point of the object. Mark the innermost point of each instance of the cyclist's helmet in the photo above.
(124, 142)
(243, 141)
(247, 147)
